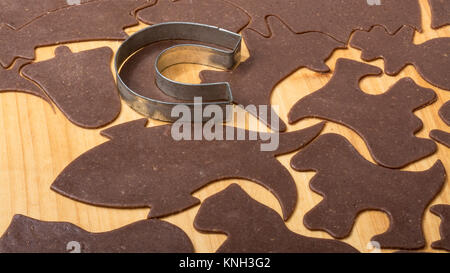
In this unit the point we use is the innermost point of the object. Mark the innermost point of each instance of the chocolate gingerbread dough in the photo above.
(441, 136)
(444, 113)
(431, 59)
(12, 81)
(386, 122)
(443, 211)
(337, 18)
(27, 235)
(272, 60)
(146, 167)
(80, 84)
(252, 227)
(440, 13)
(350, 185)
(98, 20)
(17, 13)
(210, 12)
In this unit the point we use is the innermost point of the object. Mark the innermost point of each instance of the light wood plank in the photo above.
(38, 142)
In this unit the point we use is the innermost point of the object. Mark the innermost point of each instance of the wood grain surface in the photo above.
(37, 142)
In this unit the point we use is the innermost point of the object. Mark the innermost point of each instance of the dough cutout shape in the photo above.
(350, 185)
(444, 113)
(27, 235)
(146, 167)
(440, 13)
(80, 84)
(252, 227)
(386, 122)
(431, 59)
(439, 135)
(443, 211)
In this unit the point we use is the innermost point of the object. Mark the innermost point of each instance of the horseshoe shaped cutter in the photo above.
(212, 93)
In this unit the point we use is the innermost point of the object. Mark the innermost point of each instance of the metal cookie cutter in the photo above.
(212, 94)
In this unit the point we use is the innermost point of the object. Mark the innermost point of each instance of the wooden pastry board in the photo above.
(38, 142)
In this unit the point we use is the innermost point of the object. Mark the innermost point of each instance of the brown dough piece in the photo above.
(440, 13)
(80, 84)
(253, 81)
(12, 81)
(98, 20)
(337, 18)
(252, 227)
(442, 211)
(431, 59)
(386, 122)
(350, 185)
(17, 13)
(211, 12)
(27, 235)
(441, 136)
(145, 167)
(444, 113)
